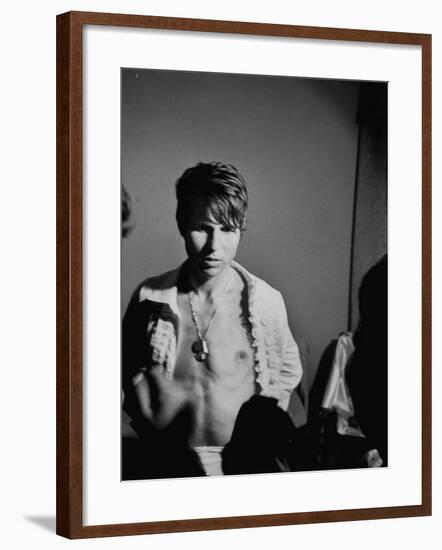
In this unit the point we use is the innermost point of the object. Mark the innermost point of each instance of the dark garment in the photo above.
(161, 454)
(323, 447)
(367, 372)
(262, 442)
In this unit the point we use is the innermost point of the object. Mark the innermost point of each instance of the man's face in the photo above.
(210, 247)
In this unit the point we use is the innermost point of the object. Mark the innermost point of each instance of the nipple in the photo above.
(241, 355)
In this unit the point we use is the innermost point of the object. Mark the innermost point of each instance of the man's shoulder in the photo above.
(262, 289)
(157, 284)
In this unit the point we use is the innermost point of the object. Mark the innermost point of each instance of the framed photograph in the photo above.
(243, 274)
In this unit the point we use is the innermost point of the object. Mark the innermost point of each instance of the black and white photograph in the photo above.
(253, 274)
(203, 203)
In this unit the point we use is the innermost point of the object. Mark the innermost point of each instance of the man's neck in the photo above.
(211, 288)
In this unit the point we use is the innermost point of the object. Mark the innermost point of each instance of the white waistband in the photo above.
(211, 459)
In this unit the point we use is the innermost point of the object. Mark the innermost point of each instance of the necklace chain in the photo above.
(200, 347)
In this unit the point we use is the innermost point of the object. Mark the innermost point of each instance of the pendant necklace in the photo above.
(200, 348)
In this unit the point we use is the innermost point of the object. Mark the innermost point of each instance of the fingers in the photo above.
(168, 398)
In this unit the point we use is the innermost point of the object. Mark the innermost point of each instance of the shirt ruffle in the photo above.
(266, 324)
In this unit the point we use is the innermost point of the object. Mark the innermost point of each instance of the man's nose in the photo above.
(215, 239)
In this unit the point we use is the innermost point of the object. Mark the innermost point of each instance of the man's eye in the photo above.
(228, 229)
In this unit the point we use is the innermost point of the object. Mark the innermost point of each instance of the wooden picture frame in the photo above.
(70, 284)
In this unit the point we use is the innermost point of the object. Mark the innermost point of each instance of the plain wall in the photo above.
(370, 227)
(295, 142)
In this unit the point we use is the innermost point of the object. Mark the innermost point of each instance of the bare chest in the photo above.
(230, 358)
(226, 378)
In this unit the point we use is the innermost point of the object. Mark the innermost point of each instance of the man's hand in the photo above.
(164, 424)
(170, 402)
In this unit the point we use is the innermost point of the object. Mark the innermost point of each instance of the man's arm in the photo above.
(162, 413)
(149, 396)
(291, 367)
(136, 401)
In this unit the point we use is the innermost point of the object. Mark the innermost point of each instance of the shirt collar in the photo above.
(167, 292)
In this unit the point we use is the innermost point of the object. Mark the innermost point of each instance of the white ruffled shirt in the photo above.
(276, 355)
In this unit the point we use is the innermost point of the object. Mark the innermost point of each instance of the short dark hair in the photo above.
(221, 187)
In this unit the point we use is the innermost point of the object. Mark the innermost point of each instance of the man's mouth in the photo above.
(210, 261)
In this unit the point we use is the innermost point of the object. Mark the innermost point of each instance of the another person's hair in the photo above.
(221, 188)
(126, 211)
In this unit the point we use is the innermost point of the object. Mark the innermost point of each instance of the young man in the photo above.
(209, 362)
